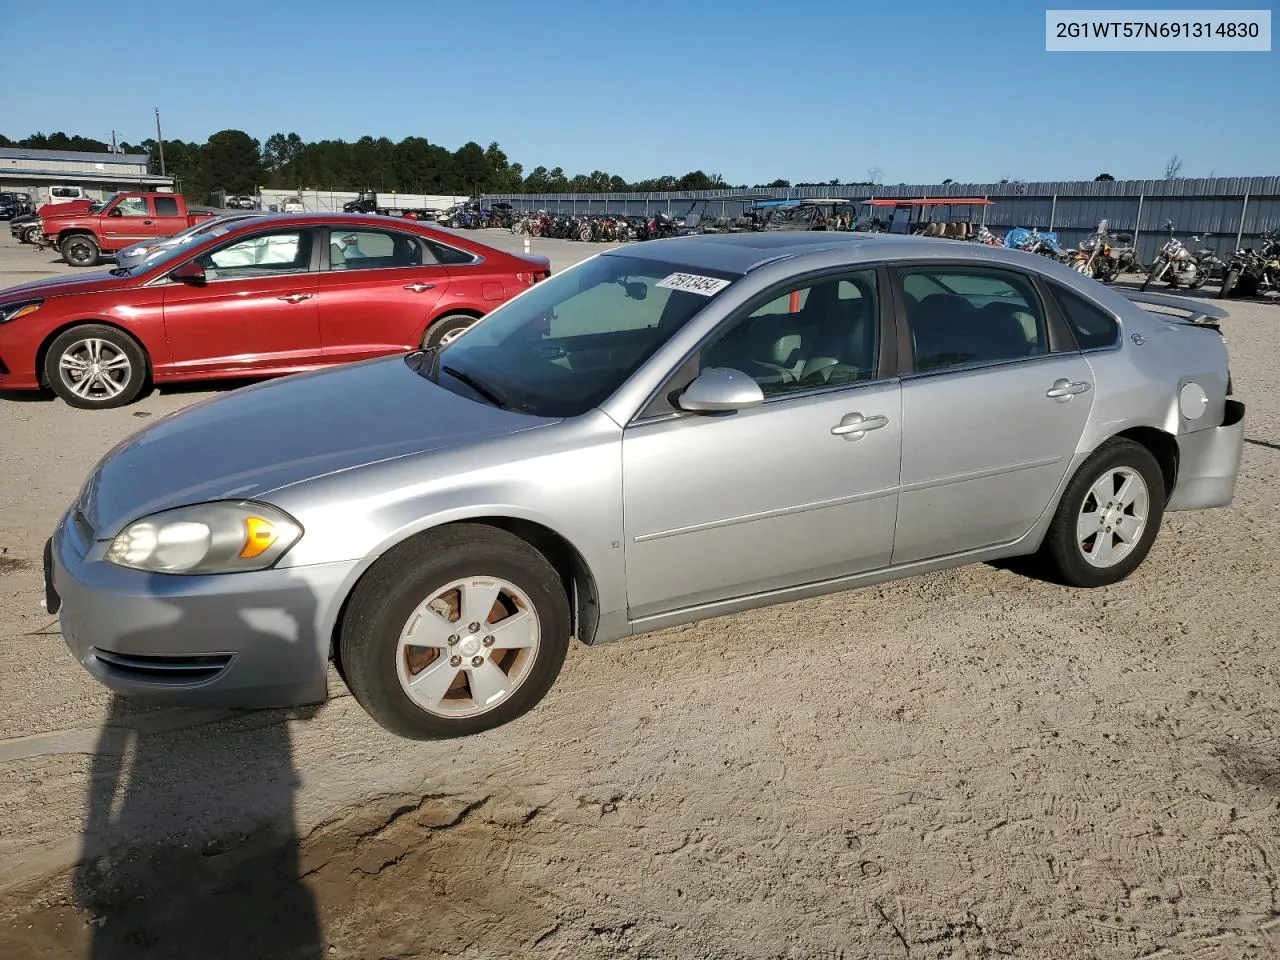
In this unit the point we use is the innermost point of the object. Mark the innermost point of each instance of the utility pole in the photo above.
(159, 141)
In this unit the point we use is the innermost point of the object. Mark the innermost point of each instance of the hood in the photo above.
(260, 438)
(61, 286)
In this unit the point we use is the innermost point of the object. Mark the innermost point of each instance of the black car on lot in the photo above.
(14, 204)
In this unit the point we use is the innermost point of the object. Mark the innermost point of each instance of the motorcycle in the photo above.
(1033, 241)
(1250, 272)
(1178, 266)
(1095, 257)
(985, 236)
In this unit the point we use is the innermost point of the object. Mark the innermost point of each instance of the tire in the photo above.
(30, 235)
(392, 598)
(120, 377)
(1228, 284)
(446, 328)
(1067, 553)
(1151, 276)
(80, 250)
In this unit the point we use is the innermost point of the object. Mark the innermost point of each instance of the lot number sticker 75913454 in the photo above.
(692, 283)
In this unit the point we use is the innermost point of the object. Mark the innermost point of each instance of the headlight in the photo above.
(12, 311)
(222, 537)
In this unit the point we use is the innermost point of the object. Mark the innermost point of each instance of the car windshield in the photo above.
(167, 251)
(565, 346)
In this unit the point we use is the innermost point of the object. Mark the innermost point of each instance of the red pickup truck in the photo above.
(83, 237)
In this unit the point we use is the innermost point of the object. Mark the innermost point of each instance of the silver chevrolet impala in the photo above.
(666, 432)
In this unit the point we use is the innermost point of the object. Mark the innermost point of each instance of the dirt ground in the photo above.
(969, 764)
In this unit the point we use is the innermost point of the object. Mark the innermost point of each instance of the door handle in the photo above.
(1066, 389)
(146, 223)
(295, 297)
(854, 425)
(419, 287)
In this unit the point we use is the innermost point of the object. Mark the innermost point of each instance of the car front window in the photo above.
(566, 345)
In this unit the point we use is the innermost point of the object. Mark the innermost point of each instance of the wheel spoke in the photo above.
(71, 362)
(431, 631)
(1087, 524)
(1128, 490)
(95, 350)
(514, 632)
(1102, 551)
(430, 686)
(478, 598)
(118, 362)
(83, 386)
(1103, 491)
(1127, 530)
(487, 682)
(111, 387)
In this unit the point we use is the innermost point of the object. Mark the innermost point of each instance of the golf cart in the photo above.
(928, 216)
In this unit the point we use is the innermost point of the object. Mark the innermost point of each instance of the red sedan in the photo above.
(262, 297)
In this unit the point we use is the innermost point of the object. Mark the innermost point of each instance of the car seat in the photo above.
(337, 259)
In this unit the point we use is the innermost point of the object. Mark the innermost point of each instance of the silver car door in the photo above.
(992, 414)
(800, 489)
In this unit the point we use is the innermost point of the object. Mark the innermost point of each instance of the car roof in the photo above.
(744, 252)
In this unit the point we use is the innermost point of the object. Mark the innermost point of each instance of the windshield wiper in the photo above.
(479, 386)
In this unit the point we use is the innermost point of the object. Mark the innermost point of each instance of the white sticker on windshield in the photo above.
(692, 283)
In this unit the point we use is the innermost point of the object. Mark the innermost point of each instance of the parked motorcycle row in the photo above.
(596, 228)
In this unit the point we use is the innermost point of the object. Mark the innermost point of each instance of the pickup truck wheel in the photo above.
(80, 250)
(95, 366)
(446, 329)
(454, 632)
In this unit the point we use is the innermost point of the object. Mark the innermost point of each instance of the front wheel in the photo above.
(455, 632)
(31, 235)
(95, 367)
(80, 250)
(1156, 269)
(447, 329)
(1229, 282)
(1108, 518)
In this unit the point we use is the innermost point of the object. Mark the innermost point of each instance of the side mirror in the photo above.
(191, 272)
(720, 389)
(114, 212)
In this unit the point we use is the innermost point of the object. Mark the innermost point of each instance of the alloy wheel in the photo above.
(468, 648)
(95, 369)
(1113, 517)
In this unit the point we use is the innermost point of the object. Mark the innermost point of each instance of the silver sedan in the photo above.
(666, 432)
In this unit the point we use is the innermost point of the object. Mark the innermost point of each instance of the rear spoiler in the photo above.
(1197, 311)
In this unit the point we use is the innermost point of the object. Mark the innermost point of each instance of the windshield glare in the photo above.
(176, 246)
(565, 346)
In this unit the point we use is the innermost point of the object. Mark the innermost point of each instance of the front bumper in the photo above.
(1209, 462)
(235, 640)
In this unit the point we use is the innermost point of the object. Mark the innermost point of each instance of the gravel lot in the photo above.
(967, 764)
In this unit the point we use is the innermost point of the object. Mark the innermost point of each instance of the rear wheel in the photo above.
(80, 250)
(455, 632)
(1228, 284)
(447, 329)
(95, 366)
(1108, 518)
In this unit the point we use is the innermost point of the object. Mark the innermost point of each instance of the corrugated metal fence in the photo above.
(1224, 211)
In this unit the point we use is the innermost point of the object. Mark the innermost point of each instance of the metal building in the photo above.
(37, 172)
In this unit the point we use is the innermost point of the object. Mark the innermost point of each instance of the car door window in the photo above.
(823, 333)
(261, 255)
(373, 250)
(166, 207)
(961, 316)
(1093, 329)
(133, 207)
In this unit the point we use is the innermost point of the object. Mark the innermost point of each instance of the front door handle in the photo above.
(419, 287)
(854, 426)
(146, 223)
(295, 297)
(1065, 389)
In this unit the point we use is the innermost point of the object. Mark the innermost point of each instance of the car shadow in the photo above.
(190, 847)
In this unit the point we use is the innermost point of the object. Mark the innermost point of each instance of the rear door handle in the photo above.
(854, 426)
(146, 223)
(295, 297)
(1065, 389)
(419, 287)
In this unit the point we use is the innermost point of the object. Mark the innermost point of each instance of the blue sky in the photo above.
(806, 90)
